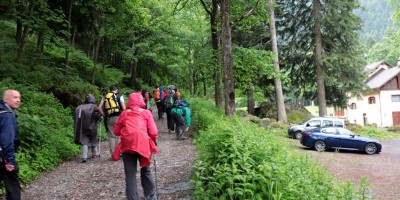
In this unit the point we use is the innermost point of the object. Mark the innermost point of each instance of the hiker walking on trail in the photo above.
(159, 96)
(146, 97)
(86, 117)
(169, 102)
(111, 106)
(138, 133)
(9, 142)
(180, 113)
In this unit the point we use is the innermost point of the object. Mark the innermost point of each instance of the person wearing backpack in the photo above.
(111, 106)
(138, 132)
(169, 102)
(180, 113)
(159, 96)
(85, 118)
(9, 143)
(146, 97)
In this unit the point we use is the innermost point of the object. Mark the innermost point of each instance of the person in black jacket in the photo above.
(86, 117)
(9, 142)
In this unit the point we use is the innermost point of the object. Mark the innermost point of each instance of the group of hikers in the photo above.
(132, 133)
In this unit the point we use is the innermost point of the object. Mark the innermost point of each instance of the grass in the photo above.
(315, 111)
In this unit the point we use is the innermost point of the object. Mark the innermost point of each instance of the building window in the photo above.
(395, 98)
(353, 106)
(371, 100)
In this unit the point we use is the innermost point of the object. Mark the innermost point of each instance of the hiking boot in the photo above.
(96, 156)
(83, 160)
(151, 197)
(180, 134)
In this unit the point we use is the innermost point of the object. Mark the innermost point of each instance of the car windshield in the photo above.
(345, 132)
(304, 122)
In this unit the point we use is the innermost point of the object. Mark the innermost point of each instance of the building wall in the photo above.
(388, 107)
(379, 113)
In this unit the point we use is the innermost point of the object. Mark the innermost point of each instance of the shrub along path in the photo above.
(102, 178)
(382, 170)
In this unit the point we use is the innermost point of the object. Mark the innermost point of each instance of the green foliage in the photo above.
(297, 117)
(376, 19)
(45, 129)
(377, 133)
(241, 160)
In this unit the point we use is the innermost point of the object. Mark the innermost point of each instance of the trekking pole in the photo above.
(100, 141)
(155, 174)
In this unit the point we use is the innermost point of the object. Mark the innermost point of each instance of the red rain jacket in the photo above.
(137, 130)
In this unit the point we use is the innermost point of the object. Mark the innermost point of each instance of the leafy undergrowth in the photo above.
(241, 160)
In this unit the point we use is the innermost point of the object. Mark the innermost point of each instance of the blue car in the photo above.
(324, 138)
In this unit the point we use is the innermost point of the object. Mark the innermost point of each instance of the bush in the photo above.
(241, 160)
(45, 129)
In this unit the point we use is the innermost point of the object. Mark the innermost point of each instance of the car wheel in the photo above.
(320, 145)
(298, 135)
(371, 148)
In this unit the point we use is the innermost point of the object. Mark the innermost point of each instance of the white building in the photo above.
(380, 104)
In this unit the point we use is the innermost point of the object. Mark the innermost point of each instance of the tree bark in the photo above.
(39, 43)
(280, 102)
(95, 54)
(69, 37)
(133, 75)
(250, 100)
(318, 58)
(215, 46)
(227, 58)
(22, 43)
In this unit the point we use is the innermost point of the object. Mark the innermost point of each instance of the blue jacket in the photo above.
(9, 137)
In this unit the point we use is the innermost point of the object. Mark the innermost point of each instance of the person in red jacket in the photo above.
(138, 133)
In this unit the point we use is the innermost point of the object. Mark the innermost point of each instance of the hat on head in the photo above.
(171, 87)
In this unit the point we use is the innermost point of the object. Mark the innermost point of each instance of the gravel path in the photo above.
(382, 170)
(102, 178)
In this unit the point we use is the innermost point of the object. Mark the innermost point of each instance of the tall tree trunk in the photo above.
(133, 76)
(250, 100)
(95, 54)
(280, 102)
(69, 37)
(204, 79)
(227, 58)
(318, 58)
(22, 43)
(18, 34)
(39, 43)
(218, 95)
(215, 46)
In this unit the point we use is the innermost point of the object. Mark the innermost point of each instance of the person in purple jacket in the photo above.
(9, 142)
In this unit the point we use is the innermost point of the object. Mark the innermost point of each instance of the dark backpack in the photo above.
(169, 100)
(180, 103)
(112, 105)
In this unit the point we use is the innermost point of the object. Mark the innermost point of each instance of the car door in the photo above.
(348, 140)
(312, 124)
(327, 123)
(332, 138)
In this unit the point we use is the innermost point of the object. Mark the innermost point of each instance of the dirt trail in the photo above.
(382, 170)
(101, 178)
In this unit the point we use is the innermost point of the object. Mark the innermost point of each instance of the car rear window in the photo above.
(339, 124)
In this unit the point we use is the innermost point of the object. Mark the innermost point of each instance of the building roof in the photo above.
(383, 77)
(375, 65)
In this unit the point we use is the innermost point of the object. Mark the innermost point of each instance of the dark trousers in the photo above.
(179, 122)
(170, 121)
(11, 182)
(130, 168)
(160, 109)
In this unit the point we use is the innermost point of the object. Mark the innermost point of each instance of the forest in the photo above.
(232, 53)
